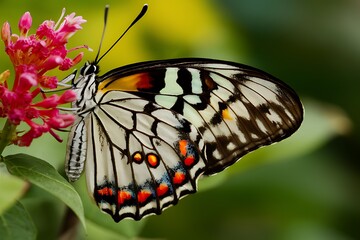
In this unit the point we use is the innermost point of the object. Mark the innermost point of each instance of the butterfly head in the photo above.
(89, 68)
(87, 74)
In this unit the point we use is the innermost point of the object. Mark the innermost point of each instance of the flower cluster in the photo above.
(32, 57)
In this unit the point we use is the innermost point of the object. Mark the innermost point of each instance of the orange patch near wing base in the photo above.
(129, 83)
(144, 81)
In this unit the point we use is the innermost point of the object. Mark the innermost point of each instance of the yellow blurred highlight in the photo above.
(194, 25)
(184, 21)
(4, 76)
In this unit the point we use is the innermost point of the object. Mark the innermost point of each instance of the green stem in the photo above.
(6, 135)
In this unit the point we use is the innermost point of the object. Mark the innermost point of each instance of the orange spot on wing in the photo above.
(226, 114)
(210, 83)
(153, 160)
(179, 178)
(143, 195)
(137, 157)
(123, 196)
(129, 83)
(162, 189)
(182, 146)
(105, 191)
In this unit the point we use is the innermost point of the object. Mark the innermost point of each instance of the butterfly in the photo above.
(149, 130)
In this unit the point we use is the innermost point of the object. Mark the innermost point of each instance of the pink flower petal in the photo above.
(68, 96)
(50, 102)
(25, 23)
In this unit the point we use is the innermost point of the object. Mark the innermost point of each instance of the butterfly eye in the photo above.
(83, 68)
(88, 69)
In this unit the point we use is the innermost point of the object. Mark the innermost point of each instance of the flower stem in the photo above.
(6, 135)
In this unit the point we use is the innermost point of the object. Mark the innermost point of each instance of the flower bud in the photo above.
(6, 33)
(25, 24)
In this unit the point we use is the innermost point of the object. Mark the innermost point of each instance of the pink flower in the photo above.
(32, 57)
(25, 23)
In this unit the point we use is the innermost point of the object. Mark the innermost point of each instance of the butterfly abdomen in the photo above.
(76, 151)
(85, 88)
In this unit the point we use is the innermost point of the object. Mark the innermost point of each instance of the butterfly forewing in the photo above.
(235, 108)
(155, 127)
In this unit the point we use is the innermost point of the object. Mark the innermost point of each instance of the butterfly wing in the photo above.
(141, 157)
(159, 125)
(236, 108)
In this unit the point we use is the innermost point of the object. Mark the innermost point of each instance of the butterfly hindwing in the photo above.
(153, 128)
(141, 157)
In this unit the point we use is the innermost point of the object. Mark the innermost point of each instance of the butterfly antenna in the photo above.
(140, 15)
(103, 32)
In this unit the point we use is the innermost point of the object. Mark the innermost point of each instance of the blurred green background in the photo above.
(306, 187)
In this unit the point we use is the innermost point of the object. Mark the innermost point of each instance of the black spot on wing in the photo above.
(179, 106)
(217, 118)
(157, 80)
(185, 126)
(149, 108)
(154, 127)
(184, 80)
(264, 108)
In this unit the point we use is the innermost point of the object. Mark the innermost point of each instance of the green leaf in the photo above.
(16, 223)
(11, 189)
(43, 175)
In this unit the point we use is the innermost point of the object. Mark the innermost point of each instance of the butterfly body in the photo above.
(149, 130)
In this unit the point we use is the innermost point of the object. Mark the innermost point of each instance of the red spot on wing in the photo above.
(144, 81)
(189, 161)
(186, 150)
(162, 189)
(123, 196)
(106, 191)
(179, 178)
(143, 195)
